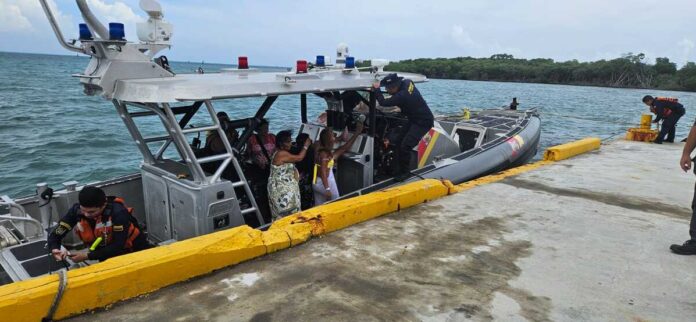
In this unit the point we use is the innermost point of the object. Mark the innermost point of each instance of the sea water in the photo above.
(51, 132)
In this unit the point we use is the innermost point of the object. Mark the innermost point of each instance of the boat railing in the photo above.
(16, 218)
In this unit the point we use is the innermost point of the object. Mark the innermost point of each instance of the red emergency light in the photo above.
(243, 63)
(301, 66)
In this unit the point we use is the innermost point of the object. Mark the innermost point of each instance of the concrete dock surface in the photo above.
(585, 239)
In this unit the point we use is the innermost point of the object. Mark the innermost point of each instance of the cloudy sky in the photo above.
(280, 32)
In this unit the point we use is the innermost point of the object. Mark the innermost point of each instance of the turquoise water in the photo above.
(51, 132)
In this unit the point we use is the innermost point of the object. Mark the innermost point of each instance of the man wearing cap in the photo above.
(406, 96)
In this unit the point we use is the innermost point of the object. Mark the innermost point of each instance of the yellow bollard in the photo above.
(646, 121)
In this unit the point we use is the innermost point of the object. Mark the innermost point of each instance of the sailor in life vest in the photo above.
(95, 217)
(667, 109)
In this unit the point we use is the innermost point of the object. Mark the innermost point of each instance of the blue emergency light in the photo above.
(85, 34)
(117, 31)
(350, 62)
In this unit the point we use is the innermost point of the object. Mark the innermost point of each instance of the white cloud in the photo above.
(116, 12)
(394, 29)
(687, 47)
(28, 17)
(12, 17)
(461, 37)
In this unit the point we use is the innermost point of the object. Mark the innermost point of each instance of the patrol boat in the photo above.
(187, 195)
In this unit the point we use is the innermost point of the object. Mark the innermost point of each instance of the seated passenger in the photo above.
(324, 182)
(261, 146)
(283, 183)
(213, 143)
(96, 216)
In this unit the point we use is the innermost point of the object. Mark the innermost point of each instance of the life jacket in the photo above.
(330, 164)
(104, 227)
(667, 111)
(667, 99)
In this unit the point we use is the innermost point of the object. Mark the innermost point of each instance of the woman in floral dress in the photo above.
(283, 183)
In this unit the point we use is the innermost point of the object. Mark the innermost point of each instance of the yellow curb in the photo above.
(135, 274)
(502, 175)
(130, 275)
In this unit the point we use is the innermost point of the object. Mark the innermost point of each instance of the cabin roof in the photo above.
(237, 84)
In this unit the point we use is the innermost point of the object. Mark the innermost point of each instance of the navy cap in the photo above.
(391, 80)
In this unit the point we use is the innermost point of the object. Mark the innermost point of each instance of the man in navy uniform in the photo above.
(667, 109)
(405, 95)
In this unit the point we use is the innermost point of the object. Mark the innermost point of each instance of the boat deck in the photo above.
(584, 239)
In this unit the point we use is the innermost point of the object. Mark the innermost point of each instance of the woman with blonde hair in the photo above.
(324, 182)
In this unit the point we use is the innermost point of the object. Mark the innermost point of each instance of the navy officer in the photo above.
(406, 96)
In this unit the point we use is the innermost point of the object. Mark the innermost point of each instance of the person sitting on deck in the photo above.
(213, 142)
(420, 119)
(214, 145)
(261, 146)
(98, 217)
(667, 109)
(514, 104)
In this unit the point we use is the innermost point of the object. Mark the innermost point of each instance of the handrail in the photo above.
(92, 22)
(36, 223)
(56, 28)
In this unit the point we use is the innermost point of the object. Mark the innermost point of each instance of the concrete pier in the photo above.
(584, 239)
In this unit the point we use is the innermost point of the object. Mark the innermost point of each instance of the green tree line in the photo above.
(629, 71)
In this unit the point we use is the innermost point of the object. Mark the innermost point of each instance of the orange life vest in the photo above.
(666, 111)
(667, 99)
(104, 228)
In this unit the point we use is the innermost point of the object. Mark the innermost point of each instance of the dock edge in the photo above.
(102, 284)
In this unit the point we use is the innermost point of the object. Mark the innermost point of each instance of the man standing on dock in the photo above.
(689, 247)
(667, 109)
(406, 96)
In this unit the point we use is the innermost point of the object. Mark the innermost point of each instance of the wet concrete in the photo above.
(582, 240)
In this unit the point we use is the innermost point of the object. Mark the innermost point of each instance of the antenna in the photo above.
(155, 30)
(152, 7)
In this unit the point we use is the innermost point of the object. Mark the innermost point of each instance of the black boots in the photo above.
(688, 248)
